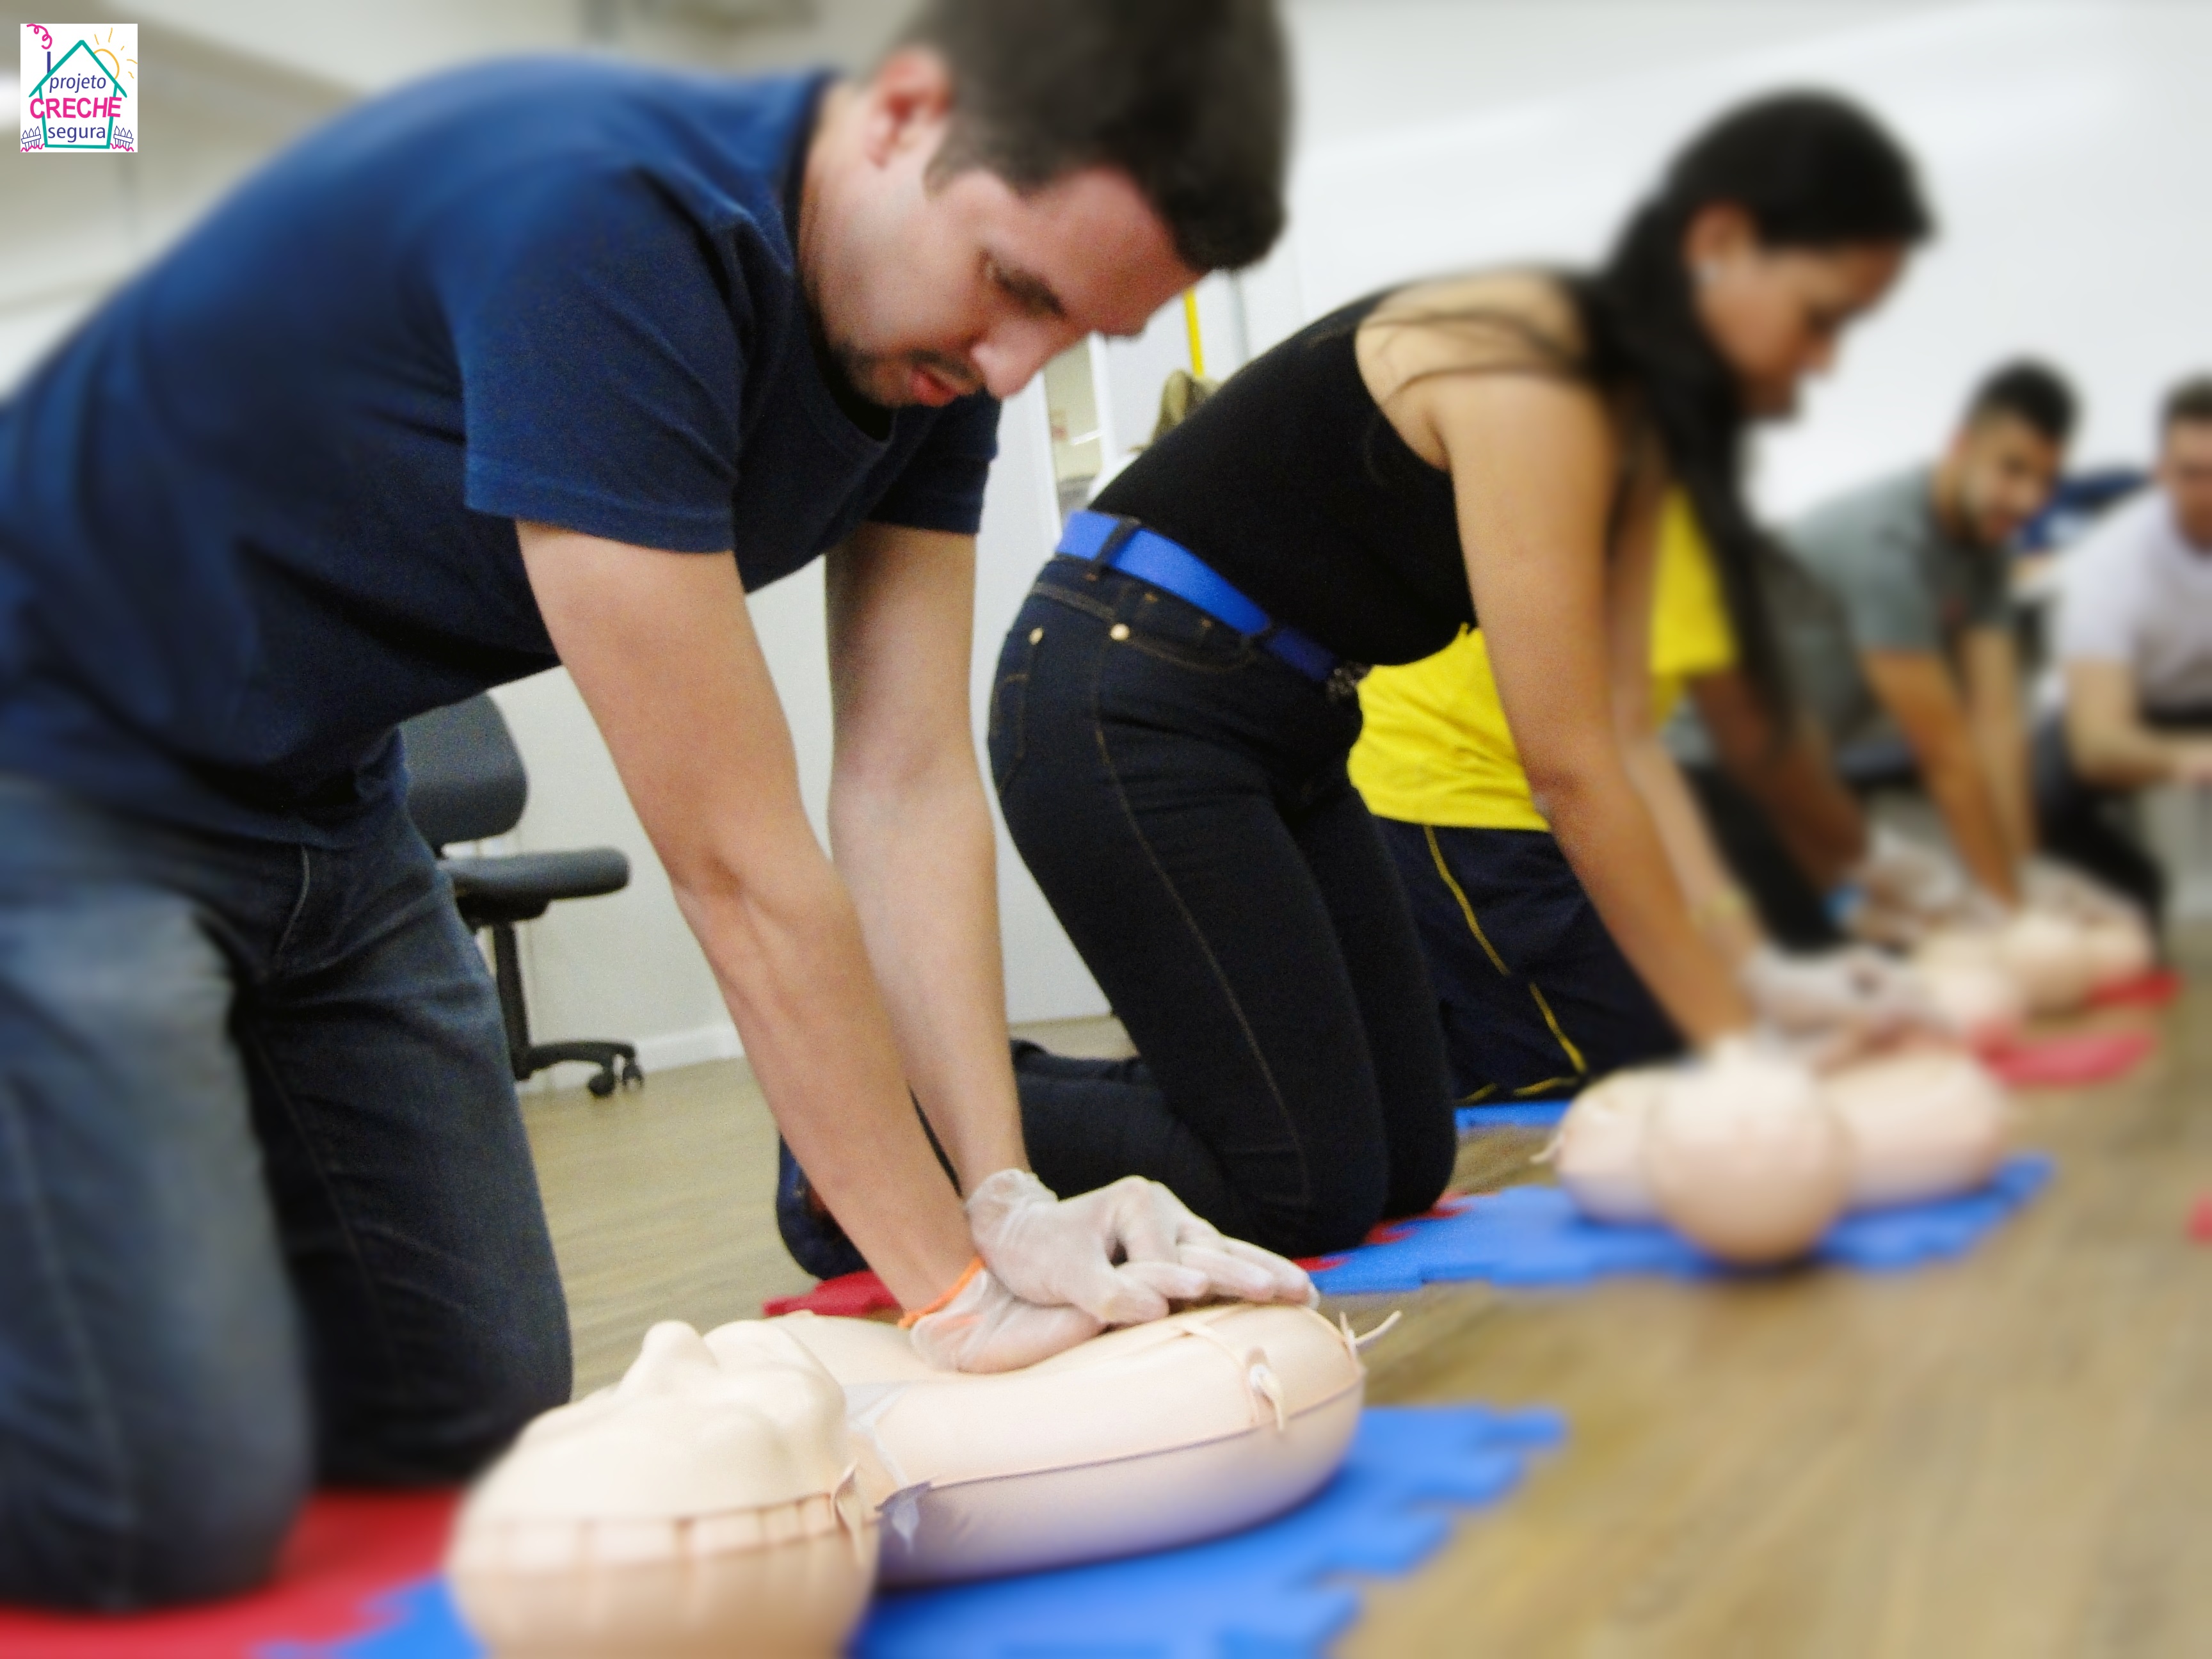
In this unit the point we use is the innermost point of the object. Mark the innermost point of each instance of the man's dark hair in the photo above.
(1190, 98)
(2030, 391)
(2190, 401)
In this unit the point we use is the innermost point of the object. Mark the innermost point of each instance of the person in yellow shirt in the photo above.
(1535, 996)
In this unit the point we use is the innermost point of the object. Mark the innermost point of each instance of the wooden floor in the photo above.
(2011, 1456)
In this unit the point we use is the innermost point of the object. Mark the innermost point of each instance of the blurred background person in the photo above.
(1176, 705)
(2132, 653)
(1903, 642)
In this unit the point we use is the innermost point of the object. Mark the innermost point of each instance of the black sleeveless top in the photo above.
(1294, 485)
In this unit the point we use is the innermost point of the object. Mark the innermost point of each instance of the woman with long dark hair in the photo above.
(1175, 701)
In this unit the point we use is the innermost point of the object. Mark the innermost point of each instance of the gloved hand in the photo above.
(1854, 991)
(1120, 1254)
(1897, 870)
(2066, 891)
(986, 1328)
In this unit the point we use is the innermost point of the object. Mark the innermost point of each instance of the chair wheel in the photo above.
(603, 1084)
(632, 1078)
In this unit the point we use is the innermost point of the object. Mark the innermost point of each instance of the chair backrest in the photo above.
(466, 780)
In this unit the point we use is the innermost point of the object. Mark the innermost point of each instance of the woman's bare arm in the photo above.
(1533, 461)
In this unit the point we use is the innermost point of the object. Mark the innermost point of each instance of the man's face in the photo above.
(930, 287)
(2005, 470)
(2185, 472)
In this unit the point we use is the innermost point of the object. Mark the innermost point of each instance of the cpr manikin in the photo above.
(1923, 1123)
(1688, 1144)
(706, 1504)
(586, 1539)
(1745, 1159)
(1738, 1152)
(2055, 960)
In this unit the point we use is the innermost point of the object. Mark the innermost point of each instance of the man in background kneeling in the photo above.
(2133, 650)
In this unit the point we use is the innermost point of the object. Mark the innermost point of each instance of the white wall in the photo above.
(2060, 144)
(2059, 140)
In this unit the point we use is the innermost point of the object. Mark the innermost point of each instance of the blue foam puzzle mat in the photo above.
(1534, 1236)
(1264, 1594)
(1514, 1114)
(1259, 1595)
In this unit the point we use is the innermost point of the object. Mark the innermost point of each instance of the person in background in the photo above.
(1176, 702)
(536, 362)
(1815, 866)
(1911, 630)
(2132, 654)
(1436, 765)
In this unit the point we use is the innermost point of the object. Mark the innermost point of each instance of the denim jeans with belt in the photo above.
(267, 1216)
(1180, 795)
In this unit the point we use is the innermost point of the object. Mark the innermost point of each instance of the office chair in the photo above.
(467, 783)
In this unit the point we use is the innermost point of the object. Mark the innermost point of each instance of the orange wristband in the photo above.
(906, 1321)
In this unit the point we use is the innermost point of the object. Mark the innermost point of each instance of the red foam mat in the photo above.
(2152, 990)
(2069, 1060)
(348, 1549)
(854, 1296)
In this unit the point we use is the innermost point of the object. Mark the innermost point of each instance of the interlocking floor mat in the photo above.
(1535, 1235)
(1284, 1589)
(1281, 1590)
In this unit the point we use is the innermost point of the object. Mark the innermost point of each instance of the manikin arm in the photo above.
(662, 648)
(1991, 662)
(1917, 689)
(2110, 745)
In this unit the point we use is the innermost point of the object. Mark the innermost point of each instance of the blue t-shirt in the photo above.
(259, 508)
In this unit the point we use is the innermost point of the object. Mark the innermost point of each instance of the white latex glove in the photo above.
(986, 1328)
(2066, 891)
(1120, 1254)
(1898, 873)
(1764, 1059)
(1854, 990)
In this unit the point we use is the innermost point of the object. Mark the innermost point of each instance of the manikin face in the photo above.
(929, 287)
(2185, 472)
(2005, 471)
(1776, 315)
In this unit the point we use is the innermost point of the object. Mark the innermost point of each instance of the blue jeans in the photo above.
(1180, 795)
(267, 1215)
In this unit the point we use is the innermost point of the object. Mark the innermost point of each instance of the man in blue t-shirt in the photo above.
(498, 372)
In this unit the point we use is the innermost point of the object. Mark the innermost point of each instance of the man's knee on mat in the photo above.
(185, 1507)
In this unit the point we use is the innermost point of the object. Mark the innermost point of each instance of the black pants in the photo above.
(1787, 904)
(1535, 998)
(2088, 827)
(1180, 795)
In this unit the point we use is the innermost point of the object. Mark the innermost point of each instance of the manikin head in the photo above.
(1796, 213)
(1018, 174)
(2005, 458)
(2185, 459)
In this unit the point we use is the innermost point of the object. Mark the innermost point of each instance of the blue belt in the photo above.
(1125, 545)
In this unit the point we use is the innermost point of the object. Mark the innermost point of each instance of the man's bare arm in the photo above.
(2107, 741)
(1917, 689)
(1818, 819)
(662, 648)
(911, 828)
(1992, 676)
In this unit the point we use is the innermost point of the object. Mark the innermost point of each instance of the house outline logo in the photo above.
(76, 109)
